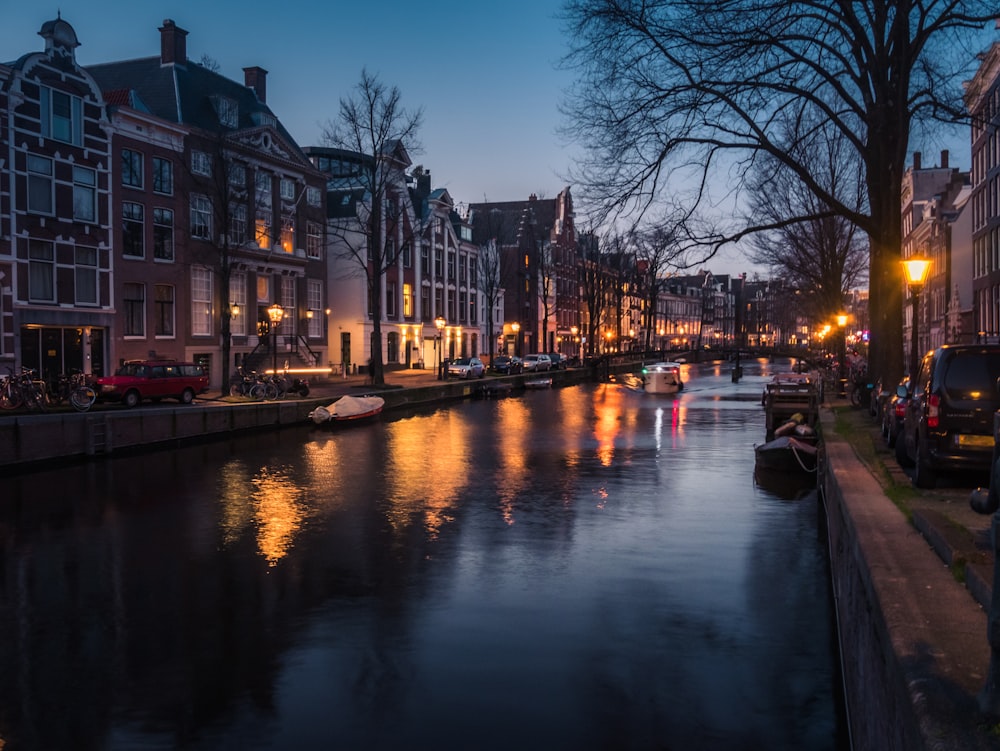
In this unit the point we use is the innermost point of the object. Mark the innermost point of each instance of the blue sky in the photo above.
(484, 73)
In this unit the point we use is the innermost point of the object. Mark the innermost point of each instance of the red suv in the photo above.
(136, 380)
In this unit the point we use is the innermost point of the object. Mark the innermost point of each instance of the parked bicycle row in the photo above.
(256, 385)
(26, 390)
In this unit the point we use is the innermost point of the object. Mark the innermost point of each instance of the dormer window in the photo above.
(227, 110)
(263, 118)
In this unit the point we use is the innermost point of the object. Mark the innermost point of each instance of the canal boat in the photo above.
(662, 378)
(348, 409)
(787, 454)
(788, 395)
(494, 389)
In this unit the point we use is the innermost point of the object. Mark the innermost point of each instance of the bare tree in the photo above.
(374, 125)
(493, 266)
(593, 287)
(657, 252)
(823, 254)
(673, 94)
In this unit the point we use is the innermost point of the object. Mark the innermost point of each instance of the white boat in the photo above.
(348, 408)
(662, 378)
(543, 382)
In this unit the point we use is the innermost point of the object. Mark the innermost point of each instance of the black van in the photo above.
(948, 425)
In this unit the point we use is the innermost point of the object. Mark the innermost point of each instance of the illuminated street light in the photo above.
(440, 323)
(916, 274)
(275, 313)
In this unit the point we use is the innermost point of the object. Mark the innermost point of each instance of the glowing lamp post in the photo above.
(440, 323)
(516, 328)
(573, 331)
(275, 313)
(842, 355)
(916, 273)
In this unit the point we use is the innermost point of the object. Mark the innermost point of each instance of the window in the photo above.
(163, 299)
(408, 256)
(425, 260)
(133, 230)
(131, 168)
(41, 271)
(163, 234)
(201, 217)
(288, 234)
(262, 229)
(314, 240)
(201, 163)
(40, 185)
(407, 301)
(84, 194)
(288, 293)
(238, 225)
(237, 175)
(314, 302)
(134, 302)
(201, 302)
(238, 298)
(262, 181)
(163, 176)
(287, 189)
(313, 196)
(390, 300)
(62, 116)
(228, 111)
(86, 275)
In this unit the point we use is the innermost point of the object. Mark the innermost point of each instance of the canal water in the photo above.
(588, 567)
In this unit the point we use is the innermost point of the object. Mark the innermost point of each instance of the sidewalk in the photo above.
(910, 569)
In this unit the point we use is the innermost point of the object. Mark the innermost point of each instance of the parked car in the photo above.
(536, 363)
(894, 411)
(506, 364)
(558, 361)
(467, 367)
(948, 418)
(136, 380)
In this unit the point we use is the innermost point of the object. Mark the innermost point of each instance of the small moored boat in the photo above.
(348, 408)
(787, 454)
(538, 383)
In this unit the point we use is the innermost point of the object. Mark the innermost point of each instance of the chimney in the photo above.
(424, 183)
(256, 79)
(173, 44)
(944, 158)
(916, 160)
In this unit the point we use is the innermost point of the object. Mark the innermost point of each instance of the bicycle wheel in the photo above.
(856, 396)
(270, 391)
(10, 396)
(257, 391)
(82, 398)
(236, 390)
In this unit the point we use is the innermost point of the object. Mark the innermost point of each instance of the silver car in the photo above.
(537, 363)
(467, 367)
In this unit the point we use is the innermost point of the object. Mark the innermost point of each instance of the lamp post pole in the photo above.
(842, 355)
(516, 328)
(440, 323)
(275, 313)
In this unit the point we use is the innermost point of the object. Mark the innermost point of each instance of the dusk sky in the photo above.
(484, 73)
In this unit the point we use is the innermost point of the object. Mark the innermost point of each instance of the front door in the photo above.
(345, 351)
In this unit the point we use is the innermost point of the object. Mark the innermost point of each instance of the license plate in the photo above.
(975, 441)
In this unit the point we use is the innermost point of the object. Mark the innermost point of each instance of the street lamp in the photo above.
(440, 323)
(573, 330)
(842, 355)
(916, 273)
(275, 313)
(516, 328)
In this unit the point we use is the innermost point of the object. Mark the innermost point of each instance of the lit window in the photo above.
(201, 302)
(262, 229)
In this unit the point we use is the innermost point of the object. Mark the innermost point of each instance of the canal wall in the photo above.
(913, 641)
(34, 440)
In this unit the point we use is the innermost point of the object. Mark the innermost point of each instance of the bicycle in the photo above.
(23, 390)
(75, 389)
(250, 385)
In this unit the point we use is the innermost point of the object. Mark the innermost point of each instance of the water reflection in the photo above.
(578, 568)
